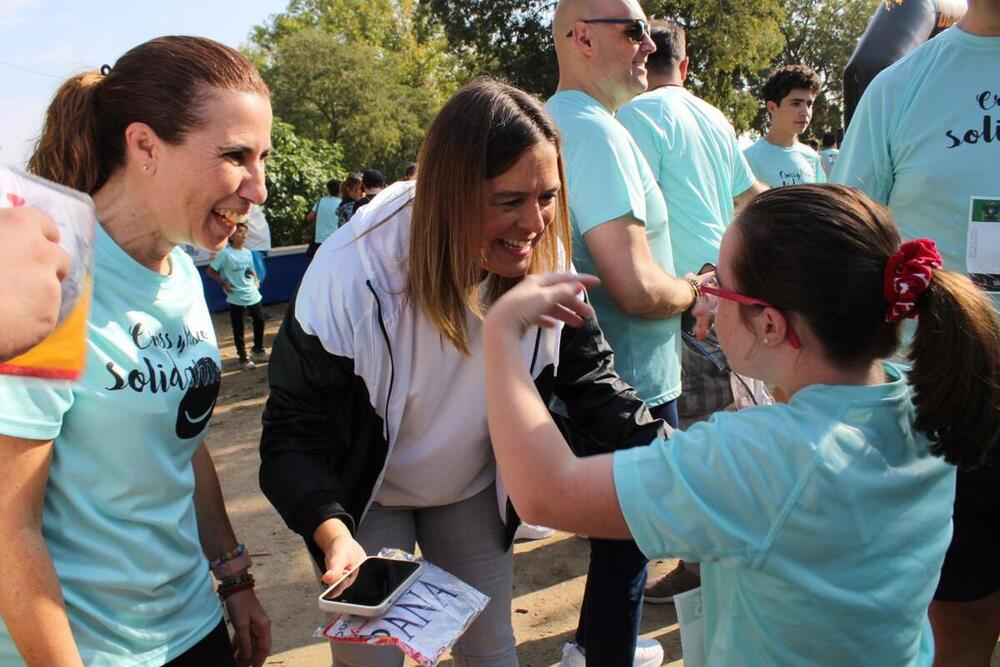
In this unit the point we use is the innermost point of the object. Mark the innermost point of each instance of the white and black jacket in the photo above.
(339, 381)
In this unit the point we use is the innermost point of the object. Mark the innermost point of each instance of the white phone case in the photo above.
(332, 607)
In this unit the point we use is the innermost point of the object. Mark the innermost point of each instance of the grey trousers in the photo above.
(465, 539)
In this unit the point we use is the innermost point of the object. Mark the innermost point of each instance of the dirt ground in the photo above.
(548, 574)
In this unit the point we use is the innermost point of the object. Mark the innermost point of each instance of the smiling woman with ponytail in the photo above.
(110, 508)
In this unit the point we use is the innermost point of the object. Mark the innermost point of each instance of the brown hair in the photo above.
(348, 184)
(163, 83)
(820, 251)
(479, 134)
(783, 80)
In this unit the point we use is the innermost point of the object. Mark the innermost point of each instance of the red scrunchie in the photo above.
(907, 276)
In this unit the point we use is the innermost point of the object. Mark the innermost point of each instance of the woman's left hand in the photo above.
(543, 300)
(252, 641)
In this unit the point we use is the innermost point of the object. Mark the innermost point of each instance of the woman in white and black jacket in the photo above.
(375, 431)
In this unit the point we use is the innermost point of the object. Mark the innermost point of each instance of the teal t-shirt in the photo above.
(828, 158)
(236, 268)
(692, 150)
(925, 140)
(326, 217)
(821, 525)
(607, 178)
(119, 518)
(778, 165)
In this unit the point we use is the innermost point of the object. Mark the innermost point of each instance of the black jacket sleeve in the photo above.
(322, 445)
(603, 412)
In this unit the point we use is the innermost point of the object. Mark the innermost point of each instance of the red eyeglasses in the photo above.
(710, 288)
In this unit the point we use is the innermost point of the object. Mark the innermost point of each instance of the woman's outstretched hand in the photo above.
(543, 300)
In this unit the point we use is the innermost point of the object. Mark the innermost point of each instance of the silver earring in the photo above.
(766, 341)
(145, 167)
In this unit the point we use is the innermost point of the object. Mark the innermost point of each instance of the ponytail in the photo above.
(163, 83)
(67, 151)
(956, 369)
(845, 272)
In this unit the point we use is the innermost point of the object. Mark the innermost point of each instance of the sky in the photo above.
(44, 42)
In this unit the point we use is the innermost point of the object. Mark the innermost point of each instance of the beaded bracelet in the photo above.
(231, 568)
(235, 553)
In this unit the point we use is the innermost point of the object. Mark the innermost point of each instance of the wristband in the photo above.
(695, 289)
(233, 567)
(229, 586)
(225, 593)
(238, 551)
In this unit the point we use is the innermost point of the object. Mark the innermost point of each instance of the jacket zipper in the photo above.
(392, 362)
(534, 355)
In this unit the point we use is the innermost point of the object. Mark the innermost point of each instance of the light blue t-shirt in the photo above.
(692, 150)
(821, 525)
(607, 178)
(828, 158)
(119, 519)
(326, 217)
(777, 165)
(236, 268)
(925, 139)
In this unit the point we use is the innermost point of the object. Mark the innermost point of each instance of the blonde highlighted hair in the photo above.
(478, 135)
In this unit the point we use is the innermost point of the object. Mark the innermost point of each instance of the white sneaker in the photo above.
(572, 656)
(527, 531)
(648, 653)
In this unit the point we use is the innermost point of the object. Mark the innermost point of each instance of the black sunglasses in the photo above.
(637, 30)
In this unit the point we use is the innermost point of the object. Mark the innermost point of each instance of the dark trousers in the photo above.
(612, 600)
(214, 649)
(236, 315)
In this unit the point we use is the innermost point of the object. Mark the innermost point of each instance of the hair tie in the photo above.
(105, 70)
(908, 274)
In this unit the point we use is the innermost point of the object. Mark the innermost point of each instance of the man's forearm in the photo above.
(658, 295)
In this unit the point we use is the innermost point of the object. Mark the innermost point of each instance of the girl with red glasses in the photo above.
(832, 511)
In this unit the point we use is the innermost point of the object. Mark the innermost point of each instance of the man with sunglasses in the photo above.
(620, 233)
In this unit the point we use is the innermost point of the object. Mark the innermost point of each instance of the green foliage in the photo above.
(729, 42)
(368, 76)
(508, 39)
(297, 173)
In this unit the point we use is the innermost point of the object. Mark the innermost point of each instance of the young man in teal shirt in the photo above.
(925, 140)
(619, 221)
(779, 158)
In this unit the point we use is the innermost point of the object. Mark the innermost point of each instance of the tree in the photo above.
(367, 76)
(823, 34)
(297, 173)
(508, 39)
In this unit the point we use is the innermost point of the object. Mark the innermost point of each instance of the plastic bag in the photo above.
(62, 355)
(424, 623)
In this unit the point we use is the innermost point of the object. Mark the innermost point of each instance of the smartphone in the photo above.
(379, 583)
